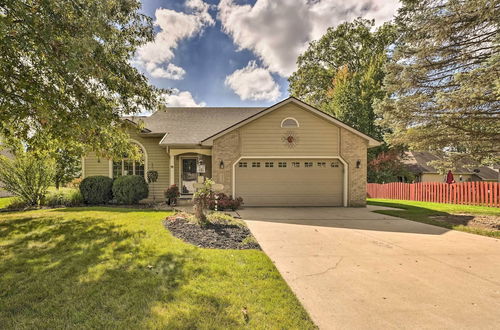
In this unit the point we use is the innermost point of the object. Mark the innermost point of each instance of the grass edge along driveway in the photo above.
(120, 268)
(423, 211)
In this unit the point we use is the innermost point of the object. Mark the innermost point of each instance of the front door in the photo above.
(189, 175)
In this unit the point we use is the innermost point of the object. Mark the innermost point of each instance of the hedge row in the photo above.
(128, 189)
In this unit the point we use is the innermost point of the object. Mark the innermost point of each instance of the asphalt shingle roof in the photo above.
(192, 125)
(417, 163)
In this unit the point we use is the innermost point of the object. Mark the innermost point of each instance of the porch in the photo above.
(188, 167)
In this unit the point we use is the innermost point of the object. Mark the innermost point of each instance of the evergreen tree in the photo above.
(444, 84)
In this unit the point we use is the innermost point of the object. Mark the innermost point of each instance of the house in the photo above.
(417, 163)
(289, 154)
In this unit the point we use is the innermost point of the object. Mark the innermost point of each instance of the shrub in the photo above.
(201, 199)
(17, 204)
(172, 193)
(71, 197)
(96, 189)
(130, 189)
(225, 202)
(27, 176)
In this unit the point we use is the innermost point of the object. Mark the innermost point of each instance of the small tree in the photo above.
(68, 167)
(388, 167)
(201, 200)
(27, 176)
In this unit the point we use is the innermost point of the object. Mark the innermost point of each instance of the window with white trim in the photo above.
(321, 164)
(289, 123)
(295, 164)
(269, 164)
(281, 164)
(308, 164)
(242, 164)
(255, 164)
(127, 166)
(334, 164)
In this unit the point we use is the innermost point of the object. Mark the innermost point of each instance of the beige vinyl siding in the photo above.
(96, 166)
(158, 160)
(263, 137)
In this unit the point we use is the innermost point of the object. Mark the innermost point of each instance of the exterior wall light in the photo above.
(358, 164)
(221, 165)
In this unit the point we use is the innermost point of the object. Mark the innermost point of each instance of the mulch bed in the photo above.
(213, 236)
(489, 222)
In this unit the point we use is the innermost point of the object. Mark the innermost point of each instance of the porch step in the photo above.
(185, 201)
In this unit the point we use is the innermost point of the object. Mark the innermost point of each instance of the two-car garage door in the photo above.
(289, 182)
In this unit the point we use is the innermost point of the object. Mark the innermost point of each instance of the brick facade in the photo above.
(352, 149)
(226, 148)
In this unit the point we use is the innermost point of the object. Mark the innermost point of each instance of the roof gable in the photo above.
(371, 141)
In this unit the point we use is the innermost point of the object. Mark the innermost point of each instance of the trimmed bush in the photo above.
(96, 189)
(130, 189)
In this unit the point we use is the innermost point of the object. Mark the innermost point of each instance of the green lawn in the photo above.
(119, 268)
(423, 211)
(4, 201)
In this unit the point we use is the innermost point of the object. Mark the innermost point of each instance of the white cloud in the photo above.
(175, 26)
(277, 31)
(181, 99)
(253, 83)
(173, 72)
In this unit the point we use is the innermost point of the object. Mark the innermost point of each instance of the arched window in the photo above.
(289, 123)
(127, 166)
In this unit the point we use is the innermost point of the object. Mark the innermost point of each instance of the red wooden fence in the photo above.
(467, 193)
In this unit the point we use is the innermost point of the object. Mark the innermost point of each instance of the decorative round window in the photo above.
(289, 123)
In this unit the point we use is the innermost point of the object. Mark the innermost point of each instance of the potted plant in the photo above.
(171, 194)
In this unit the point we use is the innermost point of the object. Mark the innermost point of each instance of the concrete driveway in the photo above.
(355, 269)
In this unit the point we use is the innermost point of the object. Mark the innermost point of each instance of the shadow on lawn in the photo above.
(86, 273)
(108, 208)
(433, 217)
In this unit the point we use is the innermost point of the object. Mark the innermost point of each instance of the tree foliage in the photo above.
(68, 166)
(27, 176)
(444, 84)
(387, 166)
(341, 73)
(65, 72)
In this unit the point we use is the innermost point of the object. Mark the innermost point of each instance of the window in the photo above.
(255, 164)
(308, 164)
(281, 164)
(129, 167)
(295, 164)
(242, 164)
(321, 164)
(269, 164)
(289, 123)
(335, 164)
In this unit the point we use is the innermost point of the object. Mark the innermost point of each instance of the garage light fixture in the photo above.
(221, 165)
(358, 164)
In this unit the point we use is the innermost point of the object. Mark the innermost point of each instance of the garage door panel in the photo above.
(317, 185)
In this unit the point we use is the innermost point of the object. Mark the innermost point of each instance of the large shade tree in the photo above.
(444, 82)
(65, 72)
(342, 72)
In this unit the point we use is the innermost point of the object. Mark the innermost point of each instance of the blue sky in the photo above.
(236, 52)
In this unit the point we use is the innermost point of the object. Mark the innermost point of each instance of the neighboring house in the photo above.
(289, 154)
(6, 153)
(417, 162)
